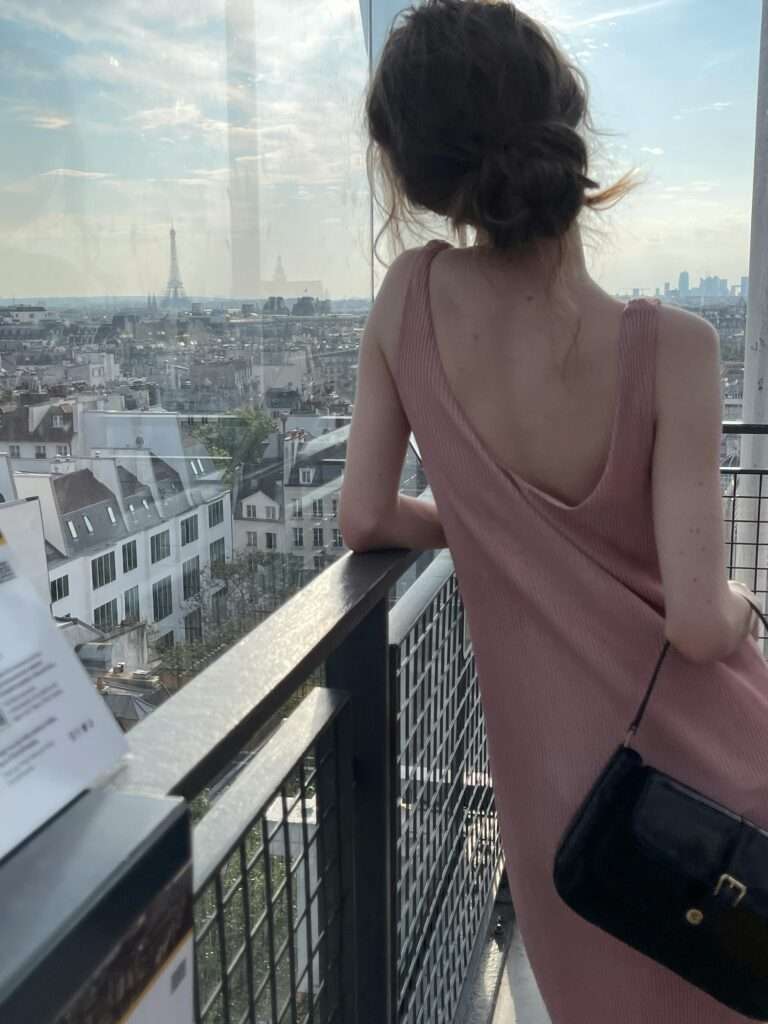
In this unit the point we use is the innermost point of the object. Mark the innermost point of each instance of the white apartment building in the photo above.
(134, 551)
(292, 506)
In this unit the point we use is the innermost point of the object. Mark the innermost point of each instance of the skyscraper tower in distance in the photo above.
(684, 284)
(174, 290)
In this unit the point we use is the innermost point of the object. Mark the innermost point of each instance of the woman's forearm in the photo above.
(414, 524)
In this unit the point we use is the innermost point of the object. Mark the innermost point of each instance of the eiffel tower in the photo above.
(174, 290)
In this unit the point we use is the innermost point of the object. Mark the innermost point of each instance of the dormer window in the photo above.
(88, 524)
(145, 503)
(72, 529)
(57, 421)
(111, 514)
(305, 476)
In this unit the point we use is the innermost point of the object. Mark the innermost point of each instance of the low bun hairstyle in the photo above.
(476, 115)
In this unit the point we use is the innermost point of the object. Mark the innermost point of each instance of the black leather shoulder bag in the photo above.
(672, 873)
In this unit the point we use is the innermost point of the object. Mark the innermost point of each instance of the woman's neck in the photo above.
(557, 258)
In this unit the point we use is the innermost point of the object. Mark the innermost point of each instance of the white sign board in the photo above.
(57, 735)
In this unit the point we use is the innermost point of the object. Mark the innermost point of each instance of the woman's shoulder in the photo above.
(682, 327)
(676, 326)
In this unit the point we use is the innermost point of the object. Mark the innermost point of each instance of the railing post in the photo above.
(750, 507)
(360, 666)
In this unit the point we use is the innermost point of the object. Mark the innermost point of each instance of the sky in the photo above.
(120, 117)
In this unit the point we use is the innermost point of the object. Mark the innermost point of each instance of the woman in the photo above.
(572, 445)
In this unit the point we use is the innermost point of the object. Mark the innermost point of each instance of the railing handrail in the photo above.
(182, 745)
(739, 427)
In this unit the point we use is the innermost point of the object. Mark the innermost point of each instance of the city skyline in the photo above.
(123, 118)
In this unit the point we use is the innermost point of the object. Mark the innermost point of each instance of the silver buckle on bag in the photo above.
(732, 883)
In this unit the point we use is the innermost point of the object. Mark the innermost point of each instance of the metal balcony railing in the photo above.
(347, 867)
(346, 850)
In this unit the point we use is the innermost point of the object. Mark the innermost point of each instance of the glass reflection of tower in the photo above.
(243, 149)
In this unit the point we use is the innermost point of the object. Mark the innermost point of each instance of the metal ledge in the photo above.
(193, 736)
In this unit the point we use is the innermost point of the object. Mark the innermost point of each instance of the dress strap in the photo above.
(413, 342)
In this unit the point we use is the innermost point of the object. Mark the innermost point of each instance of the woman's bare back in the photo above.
(544, 414)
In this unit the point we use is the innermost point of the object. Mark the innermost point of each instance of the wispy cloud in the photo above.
(70, 172)
(653, 150)
(50, 122)
(629, 11)
(717, 108)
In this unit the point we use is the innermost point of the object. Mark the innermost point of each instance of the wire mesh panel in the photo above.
(745, 512)
(268, 919)
(447, 851)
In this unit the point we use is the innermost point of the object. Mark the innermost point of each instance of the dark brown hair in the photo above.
(475, 114)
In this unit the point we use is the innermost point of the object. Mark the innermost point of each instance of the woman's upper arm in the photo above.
(687, 502)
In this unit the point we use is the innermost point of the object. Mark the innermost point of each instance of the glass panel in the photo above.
(185, 213)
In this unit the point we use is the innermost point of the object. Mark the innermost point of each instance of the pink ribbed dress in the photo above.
(566, 614)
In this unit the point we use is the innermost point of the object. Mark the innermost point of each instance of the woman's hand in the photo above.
(742, 589)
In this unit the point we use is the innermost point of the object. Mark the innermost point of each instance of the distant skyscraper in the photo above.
(635, 293)
(745, 287)
(666, 287)
(684, 284)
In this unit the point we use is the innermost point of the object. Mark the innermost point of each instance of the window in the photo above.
(297, 512)
(190, 577)
(193, 467)
(318, 561)
(162, 599)
(305, 476)
(270, 541)
(219, 606)
(217, 552)
(62, 450)
(111, 515)
(193, 626)
(145, 503)
(251, 512)
(298, 536)
(165, 642)
(88, 523)
(57, 421)
(59, 588)
(130, 556)
(188, 530)
(251, 540)
(14, 451)
(160, 546)
(334, 506)
(317, 536)
(72, 529)
(338, 540)
(317, 508)
(105, 616)
(131, 605)
(40, 451)
(216, 513)
(103, 570)
(271, 512)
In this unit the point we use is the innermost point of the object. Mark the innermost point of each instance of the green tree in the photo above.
(236, 441)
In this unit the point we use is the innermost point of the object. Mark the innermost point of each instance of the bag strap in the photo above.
(641, 710)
